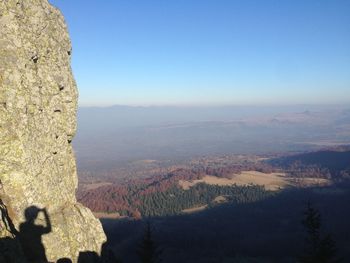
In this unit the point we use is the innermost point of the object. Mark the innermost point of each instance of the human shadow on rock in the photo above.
(29, 235)
(27, 241)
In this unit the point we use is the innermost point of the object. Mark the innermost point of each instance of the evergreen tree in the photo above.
(148, 251)
(318, 249)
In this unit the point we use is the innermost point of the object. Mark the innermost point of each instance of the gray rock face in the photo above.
(38, 102)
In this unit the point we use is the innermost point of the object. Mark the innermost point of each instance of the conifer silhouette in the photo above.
(318, 249)
(148, 251)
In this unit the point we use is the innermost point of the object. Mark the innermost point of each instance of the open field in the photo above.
(92, 186)
(194, 209)
(220, 199)
(271, 181)
(310, 182)
(108, 215)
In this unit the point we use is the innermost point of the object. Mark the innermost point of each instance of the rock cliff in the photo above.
(38, 102)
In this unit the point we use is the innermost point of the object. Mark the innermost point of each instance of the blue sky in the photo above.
(210, 52)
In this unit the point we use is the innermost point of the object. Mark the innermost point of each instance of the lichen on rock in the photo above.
(38, 103)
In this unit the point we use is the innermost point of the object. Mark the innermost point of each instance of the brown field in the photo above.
(271, 181)
(108, 215)
(220, 199)
(92, 186)
(309, 182)
(194, 209)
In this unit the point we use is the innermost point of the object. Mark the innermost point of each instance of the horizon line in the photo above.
(83, 105)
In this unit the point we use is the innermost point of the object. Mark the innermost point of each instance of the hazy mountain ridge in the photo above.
(111, 137)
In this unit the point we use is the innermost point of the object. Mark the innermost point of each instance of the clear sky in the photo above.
(210, 52)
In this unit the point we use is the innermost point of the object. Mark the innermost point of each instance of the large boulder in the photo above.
(38, 103)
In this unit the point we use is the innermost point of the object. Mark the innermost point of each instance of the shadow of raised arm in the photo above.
(48, 227)
(30, 234)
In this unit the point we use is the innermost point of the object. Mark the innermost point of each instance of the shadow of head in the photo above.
(31, 213)
(30, 234)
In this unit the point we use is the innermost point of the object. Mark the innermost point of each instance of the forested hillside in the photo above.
(161, 194)
(268, 231)
(333, 164)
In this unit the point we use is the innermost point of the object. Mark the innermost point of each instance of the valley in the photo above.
(229, 186)
(200, 181)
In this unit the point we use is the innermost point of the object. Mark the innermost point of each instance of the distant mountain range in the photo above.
(112, 136)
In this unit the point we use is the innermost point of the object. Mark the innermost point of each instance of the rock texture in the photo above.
(38, 102)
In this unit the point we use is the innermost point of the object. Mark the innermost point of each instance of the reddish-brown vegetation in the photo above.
(125, 198)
